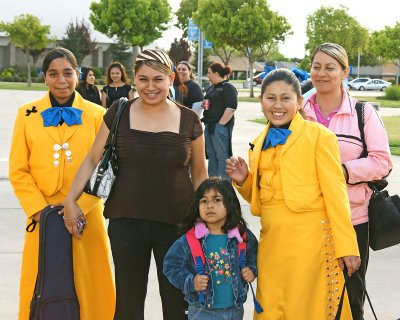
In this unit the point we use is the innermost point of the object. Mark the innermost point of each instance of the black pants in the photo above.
(132, 241)
(355, 288)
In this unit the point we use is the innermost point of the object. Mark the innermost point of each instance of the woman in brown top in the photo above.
(157, 142)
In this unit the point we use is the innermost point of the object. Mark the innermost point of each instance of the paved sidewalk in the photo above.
(384, 268)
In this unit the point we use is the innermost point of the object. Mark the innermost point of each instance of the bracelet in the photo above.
(76, 217)
(80, 214)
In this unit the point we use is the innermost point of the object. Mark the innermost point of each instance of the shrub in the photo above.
(392, 93)
(97, 72)
(7, 72)
(34, 72)
(7, 78)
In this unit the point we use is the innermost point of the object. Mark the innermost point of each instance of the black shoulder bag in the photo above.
(383, 210)
(103, 176)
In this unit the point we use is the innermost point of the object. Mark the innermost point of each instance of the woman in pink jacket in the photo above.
(334, 108)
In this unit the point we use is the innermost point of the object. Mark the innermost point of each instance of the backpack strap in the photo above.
(195, 247)
(242, 251)
(360, 116)
(242, 263)
(198, 256)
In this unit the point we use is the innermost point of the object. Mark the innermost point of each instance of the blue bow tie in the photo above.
(53, 116)
(276, 136)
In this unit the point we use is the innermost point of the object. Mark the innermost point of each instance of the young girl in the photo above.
(117, 85)
(216, 217)
(295, 184)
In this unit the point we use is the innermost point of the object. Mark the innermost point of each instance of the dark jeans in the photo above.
(132, 241)
(217, 148)
(355, 288)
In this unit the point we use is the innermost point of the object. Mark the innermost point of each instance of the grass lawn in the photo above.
(392, 129)
(23, 86)
(393, 132)
(383, 103)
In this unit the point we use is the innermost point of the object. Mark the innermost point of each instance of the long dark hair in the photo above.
(231, 203)
(120, 66)
(83, 76)
(180, 85)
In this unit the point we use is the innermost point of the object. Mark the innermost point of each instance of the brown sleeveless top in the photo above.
(153, 181)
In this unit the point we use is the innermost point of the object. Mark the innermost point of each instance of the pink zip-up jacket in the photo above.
(360, 170)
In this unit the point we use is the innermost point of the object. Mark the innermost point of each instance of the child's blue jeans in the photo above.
(199, 312)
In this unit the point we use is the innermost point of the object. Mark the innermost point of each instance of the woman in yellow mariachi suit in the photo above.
(295, 184)
(51, 138)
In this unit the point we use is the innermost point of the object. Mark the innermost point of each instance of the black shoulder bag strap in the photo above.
(340, 306)
(360, 119)
(109, 148)
(111, 140)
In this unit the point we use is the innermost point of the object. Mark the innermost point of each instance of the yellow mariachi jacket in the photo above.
(312, 178)
(35, 172)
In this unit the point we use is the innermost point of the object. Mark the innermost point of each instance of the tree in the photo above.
(184, 13)
(35, 54)
(78, 39)
(27, 33)
(121, 52)
(305, 64)
(224, 52)
(386, 43)
(133, 22)
(249, 26)
(328, 24)
(179, 51)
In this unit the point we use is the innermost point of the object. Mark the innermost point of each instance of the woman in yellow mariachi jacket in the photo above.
(296, 186)
(51, 138)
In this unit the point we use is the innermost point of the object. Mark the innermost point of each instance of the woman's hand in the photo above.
(352, 263)
(200, 282)
(36, 216)
(237, 170)
(247, 274)
(72, 212)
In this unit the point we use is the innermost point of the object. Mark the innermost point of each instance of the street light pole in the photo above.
(358, 64)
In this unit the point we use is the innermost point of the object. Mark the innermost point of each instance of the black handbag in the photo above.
(384, 219)
(102, 179)
(383, 210)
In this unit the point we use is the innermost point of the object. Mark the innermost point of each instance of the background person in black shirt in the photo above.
(117, 85)
(219, 119)
(86, 86)
(193, 98)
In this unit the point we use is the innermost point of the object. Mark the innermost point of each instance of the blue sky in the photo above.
(58, 13)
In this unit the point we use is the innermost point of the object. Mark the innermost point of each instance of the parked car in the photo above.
(258, 78)
(376, 84)
(373, 84)
(355, 83)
